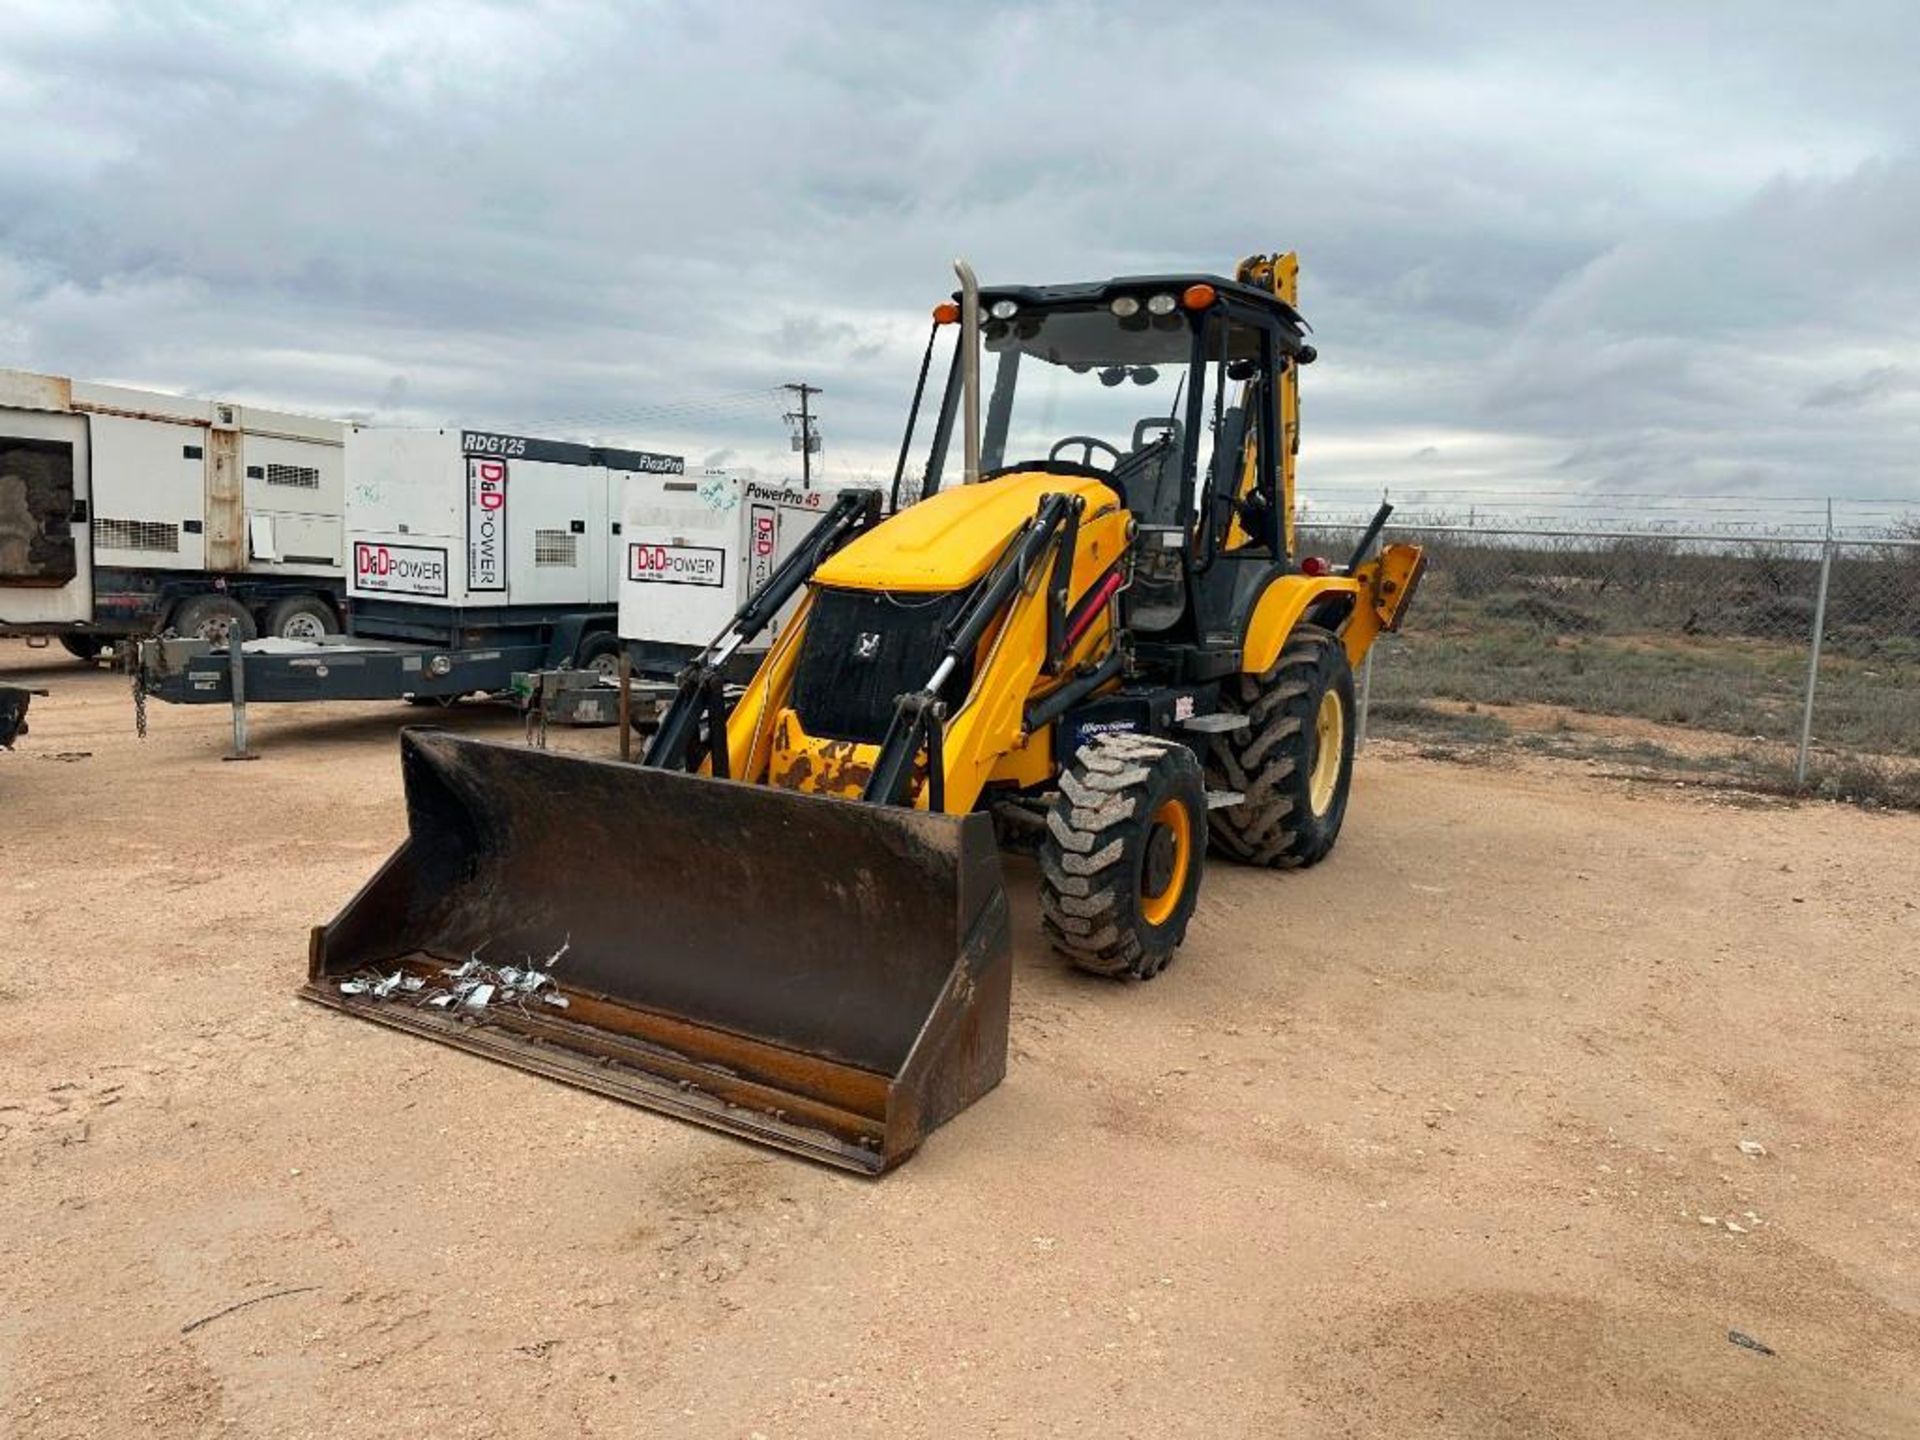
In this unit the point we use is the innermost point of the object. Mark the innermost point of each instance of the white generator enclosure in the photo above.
(695, 547)
(101, 487)
(472, 519)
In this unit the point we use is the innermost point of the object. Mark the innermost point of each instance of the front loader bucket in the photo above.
(825, 976)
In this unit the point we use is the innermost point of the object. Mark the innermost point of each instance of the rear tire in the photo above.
(1293, 761)
(84, 647)
(301, 617)
(215, 618)
(1122, 858)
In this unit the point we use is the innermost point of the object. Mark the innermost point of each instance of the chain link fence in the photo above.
(1770, 660)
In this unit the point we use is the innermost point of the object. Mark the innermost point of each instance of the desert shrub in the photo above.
(1542, 611)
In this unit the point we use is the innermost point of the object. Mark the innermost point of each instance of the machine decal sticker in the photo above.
(763, 544)
(399, 569)
(718, 493)
(486, 524)
(677, 564)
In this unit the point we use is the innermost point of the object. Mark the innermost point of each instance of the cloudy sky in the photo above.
(1589, 251)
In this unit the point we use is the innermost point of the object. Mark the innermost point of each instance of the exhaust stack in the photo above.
(970, 365)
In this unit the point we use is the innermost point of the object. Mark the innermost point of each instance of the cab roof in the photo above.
(1098, 291)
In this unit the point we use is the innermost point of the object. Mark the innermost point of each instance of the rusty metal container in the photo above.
(828, 977)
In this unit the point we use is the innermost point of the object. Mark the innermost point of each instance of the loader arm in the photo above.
(1029, 656)
(1041, 551)
(1371, 599)
(677, 743)
(1037, 623)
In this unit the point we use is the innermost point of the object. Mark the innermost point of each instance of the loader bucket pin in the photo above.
(828, 977)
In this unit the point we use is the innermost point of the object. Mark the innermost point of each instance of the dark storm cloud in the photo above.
(1882, 382)
(1627, 249)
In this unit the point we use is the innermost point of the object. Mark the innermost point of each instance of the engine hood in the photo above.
(951, 539)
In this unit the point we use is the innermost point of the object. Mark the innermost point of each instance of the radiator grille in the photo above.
(555, 547)
(154, 535)
(864, 649)
(304, 476)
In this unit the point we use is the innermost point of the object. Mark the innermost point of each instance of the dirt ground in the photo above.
(1440, 1139)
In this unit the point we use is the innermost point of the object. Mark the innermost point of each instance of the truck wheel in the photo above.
(600, 654)
(216, 618)
(301, 617)
(84, 647)
(1293, 761)
(1121, 861)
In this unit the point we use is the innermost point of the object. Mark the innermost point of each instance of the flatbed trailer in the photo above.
(475, 556)
(348, 667)
(333, 667)
(424, 628)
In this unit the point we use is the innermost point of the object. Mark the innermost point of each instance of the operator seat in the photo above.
(1149, 475)
(1157, 598)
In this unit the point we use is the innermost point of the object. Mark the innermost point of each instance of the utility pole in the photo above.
(806, 439)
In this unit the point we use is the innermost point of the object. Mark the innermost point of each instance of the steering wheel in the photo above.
(1088, 444)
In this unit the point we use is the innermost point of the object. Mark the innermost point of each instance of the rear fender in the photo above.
(1280, 609)
(1375, 598)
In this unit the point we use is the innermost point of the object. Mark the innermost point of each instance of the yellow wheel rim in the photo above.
(1329, 740)
(1163, 872)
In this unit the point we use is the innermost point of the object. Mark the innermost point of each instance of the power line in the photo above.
(733, 402)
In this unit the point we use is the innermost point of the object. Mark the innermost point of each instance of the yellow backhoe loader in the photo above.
(1081, 620)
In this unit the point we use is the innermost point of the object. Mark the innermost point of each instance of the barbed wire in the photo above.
(1783, 656)
(1661, 515)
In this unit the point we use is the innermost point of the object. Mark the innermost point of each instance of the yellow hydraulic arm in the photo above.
(1279, 274)
(988, 735)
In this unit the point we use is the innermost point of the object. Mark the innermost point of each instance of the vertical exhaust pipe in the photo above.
(970, 365)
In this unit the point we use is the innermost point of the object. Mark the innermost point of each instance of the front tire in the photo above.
(1294, 760)
(1121, 861)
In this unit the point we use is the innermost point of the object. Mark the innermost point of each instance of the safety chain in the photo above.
(534, 718)
(138, 675)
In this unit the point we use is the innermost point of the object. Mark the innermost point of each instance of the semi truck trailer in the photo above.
(129, 513)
